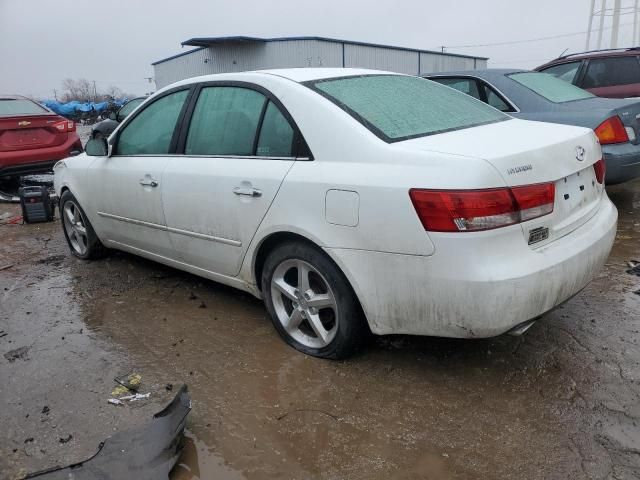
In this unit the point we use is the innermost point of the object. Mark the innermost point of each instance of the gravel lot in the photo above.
(561, 402)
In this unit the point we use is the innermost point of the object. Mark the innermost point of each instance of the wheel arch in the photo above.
(271, 241)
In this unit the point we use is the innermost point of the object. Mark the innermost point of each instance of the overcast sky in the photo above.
(114, 41)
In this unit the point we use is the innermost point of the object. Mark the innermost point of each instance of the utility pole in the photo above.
(616, 24)
(603, 10)
(634, 41)
(95, 92)
(55, 94)
(591, 13)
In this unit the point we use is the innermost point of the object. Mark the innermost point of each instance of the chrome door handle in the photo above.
(148, 183)
(248, 191)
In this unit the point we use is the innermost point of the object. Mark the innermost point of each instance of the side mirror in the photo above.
(97, 147)
(113, 116)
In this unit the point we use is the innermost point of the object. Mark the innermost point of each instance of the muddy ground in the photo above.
(561, 402)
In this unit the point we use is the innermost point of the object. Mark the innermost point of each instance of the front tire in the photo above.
(311, 303)
(82, 239)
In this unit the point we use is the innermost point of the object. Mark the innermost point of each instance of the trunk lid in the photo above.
(526, 153)
(25, 132)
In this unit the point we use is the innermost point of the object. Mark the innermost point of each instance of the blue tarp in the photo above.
(73, 107)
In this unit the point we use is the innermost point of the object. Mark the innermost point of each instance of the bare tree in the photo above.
(80, 89)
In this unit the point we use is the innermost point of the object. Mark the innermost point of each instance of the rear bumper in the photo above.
(476, 285)
(623, 162)
(38, 160)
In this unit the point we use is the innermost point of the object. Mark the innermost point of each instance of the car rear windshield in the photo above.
(18, 106)
(398, 107)
(550, 87)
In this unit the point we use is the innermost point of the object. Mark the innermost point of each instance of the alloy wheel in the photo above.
(304, 303)
(75, 226)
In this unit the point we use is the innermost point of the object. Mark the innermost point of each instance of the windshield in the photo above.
(550, 87)
(130, 107)
(12, 106)
(398, 107)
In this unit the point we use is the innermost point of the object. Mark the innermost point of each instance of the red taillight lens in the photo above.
(600, 168)
(65, 126)
(612, 131)
(474, 210)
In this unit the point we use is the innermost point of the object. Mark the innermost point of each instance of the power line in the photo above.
(551, 37)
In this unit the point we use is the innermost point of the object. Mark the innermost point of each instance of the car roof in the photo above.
(487, 73)
(13, 97)
(294, 74)
(615, 52)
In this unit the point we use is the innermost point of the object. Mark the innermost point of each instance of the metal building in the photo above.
(236, 54)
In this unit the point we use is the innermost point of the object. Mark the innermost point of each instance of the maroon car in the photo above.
(33, 138)
(605, 73)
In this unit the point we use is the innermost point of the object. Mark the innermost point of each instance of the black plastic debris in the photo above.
(634, 267)
(146, 453)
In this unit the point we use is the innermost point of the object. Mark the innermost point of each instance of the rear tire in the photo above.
(81, 238)
(311, 303)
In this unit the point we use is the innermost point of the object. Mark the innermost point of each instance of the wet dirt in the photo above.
(563, 401)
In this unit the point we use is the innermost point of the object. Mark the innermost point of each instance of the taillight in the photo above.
(474, 210)
(600, 168)
(612, 131)
(65, 126)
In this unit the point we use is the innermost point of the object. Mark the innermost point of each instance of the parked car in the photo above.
(107, 126)
(606, 73)
(350, 201)
(542, 97)
(32, 137)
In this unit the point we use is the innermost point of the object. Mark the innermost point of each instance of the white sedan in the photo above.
(351, 201)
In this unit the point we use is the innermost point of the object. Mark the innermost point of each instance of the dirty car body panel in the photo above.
(351, 187)
(622, 157)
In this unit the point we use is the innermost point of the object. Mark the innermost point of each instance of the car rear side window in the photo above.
(225, 121)
(550, 87)
(397, 107)
(609, 72)
(150, 131)
(564, 71)
(276, 134)
(464, 85)
(19, 106)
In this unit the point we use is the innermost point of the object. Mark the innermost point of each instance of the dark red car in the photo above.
(33, 138)
(605, 73)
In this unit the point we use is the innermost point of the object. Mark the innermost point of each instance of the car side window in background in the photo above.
(564, 71)
(129, 107)
(495, 100)
(276, 134)
(464, 85)
(608, 72)
(150, 132)
(225, 121)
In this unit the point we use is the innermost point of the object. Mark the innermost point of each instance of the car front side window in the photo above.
(225, 121)
(150, 132)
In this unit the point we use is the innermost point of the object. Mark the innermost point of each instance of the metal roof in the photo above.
(204, 42)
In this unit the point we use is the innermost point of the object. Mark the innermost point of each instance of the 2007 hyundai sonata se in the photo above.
(350, 201)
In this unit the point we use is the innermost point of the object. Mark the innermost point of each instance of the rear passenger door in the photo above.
(614, 77)
(238, 145)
